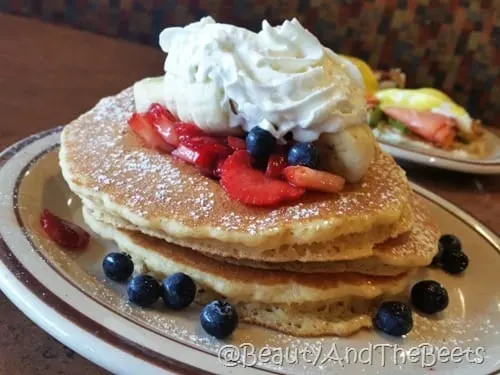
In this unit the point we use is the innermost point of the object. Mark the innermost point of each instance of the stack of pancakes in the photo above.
(314, 267)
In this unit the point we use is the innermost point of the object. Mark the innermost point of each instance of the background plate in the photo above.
(441, 159)
(66, 294)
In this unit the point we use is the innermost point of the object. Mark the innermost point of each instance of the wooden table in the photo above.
(48, 76)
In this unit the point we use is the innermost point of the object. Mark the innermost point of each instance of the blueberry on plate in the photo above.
(454, 262)
(219, 319)
(394, 318)
(143, 290)
(450, 242)
(429, 296)
(305, 154)
(117, 266)
(447, 244)
(260, 144)
(178, 291)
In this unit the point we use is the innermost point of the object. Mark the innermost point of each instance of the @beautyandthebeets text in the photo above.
(380, 355)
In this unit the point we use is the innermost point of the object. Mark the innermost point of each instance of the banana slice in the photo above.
(199, 103)
(349, 152)
(148, 91)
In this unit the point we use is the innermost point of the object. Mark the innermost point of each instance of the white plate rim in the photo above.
(486, 167)
(45, 308)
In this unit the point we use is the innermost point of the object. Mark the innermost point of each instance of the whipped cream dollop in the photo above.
(282, 79)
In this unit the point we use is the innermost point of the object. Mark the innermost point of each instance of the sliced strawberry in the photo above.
(186, 130)
(144, 128)
(218, 167)
(275, 165)
(313, 179)
(187, 154)
(158, 110)
(236, 143)
(62, 232)
(166, 129)
(163, 121)
(202, 152)
(250, 186)
(209, 145)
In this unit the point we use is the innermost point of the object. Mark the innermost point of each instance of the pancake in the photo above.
(104, 161)
(340, 318)
(300, 304)
(369, 265)
(242, 283)
(413, 248)
(345, 247)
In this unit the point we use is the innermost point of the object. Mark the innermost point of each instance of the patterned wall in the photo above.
(450, 44)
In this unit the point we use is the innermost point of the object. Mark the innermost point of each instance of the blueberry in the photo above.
(117, 266)
(304, 154)
(394, 318)
(449, 242)
(260, 144)
(454, 262)
(143, 290)
(429, 296)
(219, 319)
(178, 291)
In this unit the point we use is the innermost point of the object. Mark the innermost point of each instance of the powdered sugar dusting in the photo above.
(419, 245)
(451, 329)
(108, 158)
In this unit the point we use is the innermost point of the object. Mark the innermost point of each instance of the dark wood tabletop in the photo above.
(51, 74)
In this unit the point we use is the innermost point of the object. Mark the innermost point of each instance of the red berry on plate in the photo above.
(245, 184)
(275, 165)
(313, 179)
(236, 143)
(62, 232)
(144, 128)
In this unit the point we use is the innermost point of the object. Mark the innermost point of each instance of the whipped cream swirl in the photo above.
(281, 79)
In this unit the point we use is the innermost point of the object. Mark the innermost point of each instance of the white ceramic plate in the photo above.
(66, 294)
(434, 157)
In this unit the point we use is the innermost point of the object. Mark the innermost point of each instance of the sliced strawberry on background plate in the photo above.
(62, 232)
(144, 128)
(275, 165)
(245, 184)
(313, 179)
